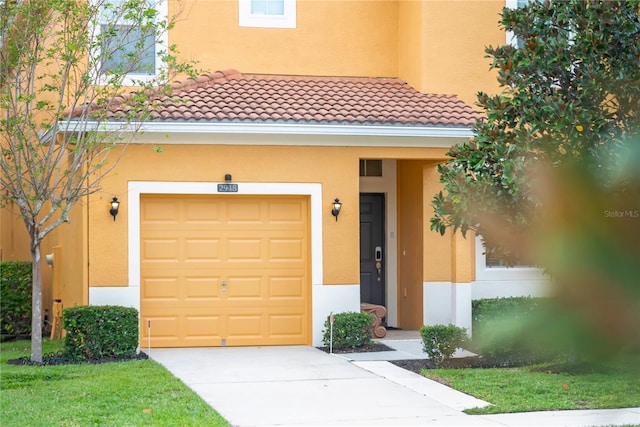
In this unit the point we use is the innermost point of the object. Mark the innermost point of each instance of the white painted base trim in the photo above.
(436, 307)
(446, 302)
(326, 299)
(329, 299)
(112, 295)
(461, 305)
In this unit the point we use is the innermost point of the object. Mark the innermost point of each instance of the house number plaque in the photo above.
(227, 188)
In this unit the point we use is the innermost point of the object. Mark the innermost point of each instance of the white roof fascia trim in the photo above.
(281, 129)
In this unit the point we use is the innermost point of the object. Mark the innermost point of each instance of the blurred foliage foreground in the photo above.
(587, 239)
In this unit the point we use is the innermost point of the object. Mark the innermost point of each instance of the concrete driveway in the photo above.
(303, 386)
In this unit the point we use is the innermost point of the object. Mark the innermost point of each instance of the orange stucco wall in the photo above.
(437, 46)
(437, 264)
(462, 258)
(411, 42)
(69, 266)
(68, 239)
(455, 36)
(14, 241)
(424, 255)
(410, 250)
(339, 38)
(441, 45)
(336, 168)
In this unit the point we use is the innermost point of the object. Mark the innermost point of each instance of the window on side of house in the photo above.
(267, 13)
(514, 4)
(4, 21)
(492, 261)
(493, 269)
(127, 47)
(370, 167)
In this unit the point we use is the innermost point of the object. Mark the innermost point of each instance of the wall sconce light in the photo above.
(115, 205)
(336, 206)
(227, 178)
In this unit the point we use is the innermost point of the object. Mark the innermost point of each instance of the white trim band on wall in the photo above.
(275, 129)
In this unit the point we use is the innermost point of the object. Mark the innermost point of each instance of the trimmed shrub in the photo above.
(350, 330)
(100, 331)
(441, 341)
(15, 298)
(496, 309)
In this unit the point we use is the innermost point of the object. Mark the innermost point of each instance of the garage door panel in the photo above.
(286, 250)
(201, 212)
(286, 288)
(271, 285)
(288, 212)
(199, 288)
(202, 327)
(245, 288)
(290, 325)
(163, 328)
(165, 288)
(160, 211)
(165, 250)
(258, 246)
(248, 325)
(201, 250)
(264, 327)
(244, 211)
(244, 250)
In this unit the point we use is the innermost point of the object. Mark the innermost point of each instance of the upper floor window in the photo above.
(267, 13)
(128, 39)
(370, 167)
(511, 38)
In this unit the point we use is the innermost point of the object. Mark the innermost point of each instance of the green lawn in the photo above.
(526, 389)
(133, 393)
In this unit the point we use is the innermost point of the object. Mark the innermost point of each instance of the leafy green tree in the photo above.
(63, 65)
(552, 176)
(570, 92)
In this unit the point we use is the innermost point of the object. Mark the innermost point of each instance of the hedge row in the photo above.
(100, 332)
(514, 328)
(15, 298)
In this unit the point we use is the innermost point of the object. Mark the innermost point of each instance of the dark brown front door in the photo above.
(372, 249)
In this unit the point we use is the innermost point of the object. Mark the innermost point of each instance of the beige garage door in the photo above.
(224, 270)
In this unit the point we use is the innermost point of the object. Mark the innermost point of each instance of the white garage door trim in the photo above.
(137, 188)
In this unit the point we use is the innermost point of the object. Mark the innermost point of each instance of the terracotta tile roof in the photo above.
(232, 97)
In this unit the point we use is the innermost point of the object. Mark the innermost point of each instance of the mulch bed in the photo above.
(414, 365)
(417, 365)
(477, 362)
(376, 346)
(60, 359)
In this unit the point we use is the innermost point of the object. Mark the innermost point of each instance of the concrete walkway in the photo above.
(303, 386)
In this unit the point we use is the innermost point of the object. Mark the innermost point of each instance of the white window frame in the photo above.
(247, 19)
(1, 35)
(161, 45)
(511, 37)
(502, 273)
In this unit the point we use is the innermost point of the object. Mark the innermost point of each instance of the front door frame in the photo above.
(387, 184)
(371, 290)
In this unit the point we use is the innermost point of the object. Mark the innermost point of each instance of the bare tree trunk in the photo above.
(36, 305)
